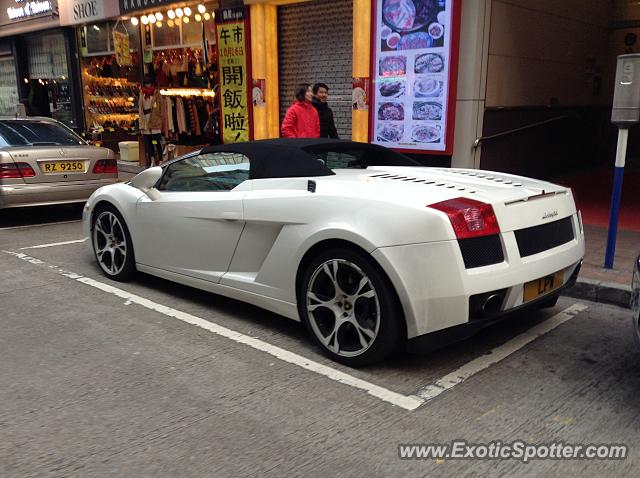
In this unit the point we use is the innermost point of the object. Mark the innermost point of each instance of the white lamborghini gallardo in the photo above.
(364, 246)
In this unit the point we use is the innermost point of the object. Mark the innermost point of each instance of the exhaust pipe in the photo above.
(492, 305)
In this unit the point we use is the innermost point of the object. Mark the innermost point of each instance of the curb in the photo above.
(599, 291)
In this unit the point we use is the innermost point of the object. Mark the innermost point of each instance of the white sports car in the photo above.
(364, 246)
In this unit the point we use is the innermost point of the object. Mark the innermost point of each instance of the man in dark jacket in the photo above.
(327, 125)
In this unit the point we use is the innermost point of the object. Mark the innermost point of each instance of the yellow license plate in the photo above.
(542, 286)
(62, 167)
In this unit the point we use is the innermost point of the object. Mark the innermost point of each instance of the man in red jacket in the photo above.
(301, 120)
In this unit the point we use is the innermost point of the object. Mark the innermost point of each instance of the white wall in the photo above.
(548, 49)
(472, 75)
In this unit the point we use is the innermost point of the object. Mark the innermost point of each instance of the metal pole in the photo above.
(618, 175)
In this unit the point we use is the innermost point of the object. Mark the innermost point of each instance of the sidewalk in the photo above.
(602, 285)
(595, 283)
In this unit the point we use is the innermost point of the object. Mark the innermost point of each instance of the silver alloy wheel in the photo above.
(110, 243)
(343, 308)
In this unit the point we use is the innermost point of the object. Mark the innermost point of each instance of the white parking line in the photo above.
(39, 225)
(407, 402)
(403, 401)
(496, 355)
(53, 244)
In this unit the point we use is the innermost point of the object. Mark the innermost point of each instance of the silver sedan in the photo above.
(43, 162)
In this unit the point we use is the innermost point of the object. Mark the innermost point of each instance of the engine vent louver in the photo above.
(428, 182)
(486, 177)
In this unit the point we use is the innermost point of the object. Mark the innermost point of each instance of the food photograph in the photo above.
(426, 110)
(393, 66)
(429, 63)
(390, 132)
(428, 88)
(412, 24)
(427, 133)
(392, 88)
(391, 112)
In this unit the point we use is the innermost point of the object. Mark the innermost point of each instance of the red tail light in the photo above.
(106, 166)
(469, 218)
(16, 171)
(26, 170)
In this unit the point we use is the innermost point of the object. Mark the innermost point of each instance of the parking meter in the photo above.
(626, 96)
(625, 113)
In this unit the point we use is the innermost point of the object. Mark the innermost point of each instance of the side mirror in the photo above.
(146, 180)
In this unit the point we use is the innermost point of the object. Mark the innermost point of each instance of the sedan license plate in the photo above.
(62, 167)
(544, 285)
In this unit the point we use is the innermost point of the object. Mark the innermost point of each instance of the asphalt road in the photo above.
(99, 378)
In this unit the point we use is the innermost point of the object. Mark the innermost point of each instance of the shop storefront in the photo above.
(41, 57)
(329, 61)
(174, 51)
(109, 87)
(391, 67)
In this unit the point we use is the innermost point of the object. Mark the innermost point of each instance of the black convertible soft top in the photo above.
(298, 157)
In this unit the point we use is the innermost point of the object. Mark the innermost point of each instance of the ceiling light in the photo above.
(151, 17)
(96, 27)
(134, 21)
(187, 11)
(170, 23)
(207, 16)
(171, 14)
(202, 8)
(198, 17)
(158, 24)
(179, 12)
(159, 16)
(185, 19)
(144, 20)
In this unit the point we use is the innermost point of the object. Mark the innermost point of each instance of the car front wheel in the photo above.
(112, 244)
(350, 309)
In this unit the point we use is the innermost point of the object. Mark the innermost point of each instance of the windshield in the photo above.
(348, 156)
(36, 133)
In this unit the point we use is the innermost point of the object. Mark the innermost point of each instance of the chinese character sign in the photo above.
(233, 81)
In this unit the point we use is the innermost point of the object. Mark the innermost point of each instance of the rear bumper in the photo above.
(42, 194)
(442, 338)
(435, 288)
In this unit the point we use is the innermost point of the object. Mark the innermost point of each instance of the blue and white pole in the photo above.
(618, 175)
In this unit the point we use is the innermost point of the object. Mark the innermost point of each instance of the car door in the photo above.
(194, 222)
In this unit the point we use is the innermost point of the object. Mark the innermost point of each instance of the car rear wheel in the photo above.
(112, 244)
(350, 309)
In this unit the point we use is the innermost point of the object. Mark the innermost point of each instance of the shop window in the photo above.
(47, 56)
(182, 34)
(192, 33)
(8, 86)
(166, 36)
(97, 37)
(206, 172)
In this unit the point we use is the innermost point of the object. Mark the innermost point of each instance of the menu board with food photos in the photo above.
(412, 61)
